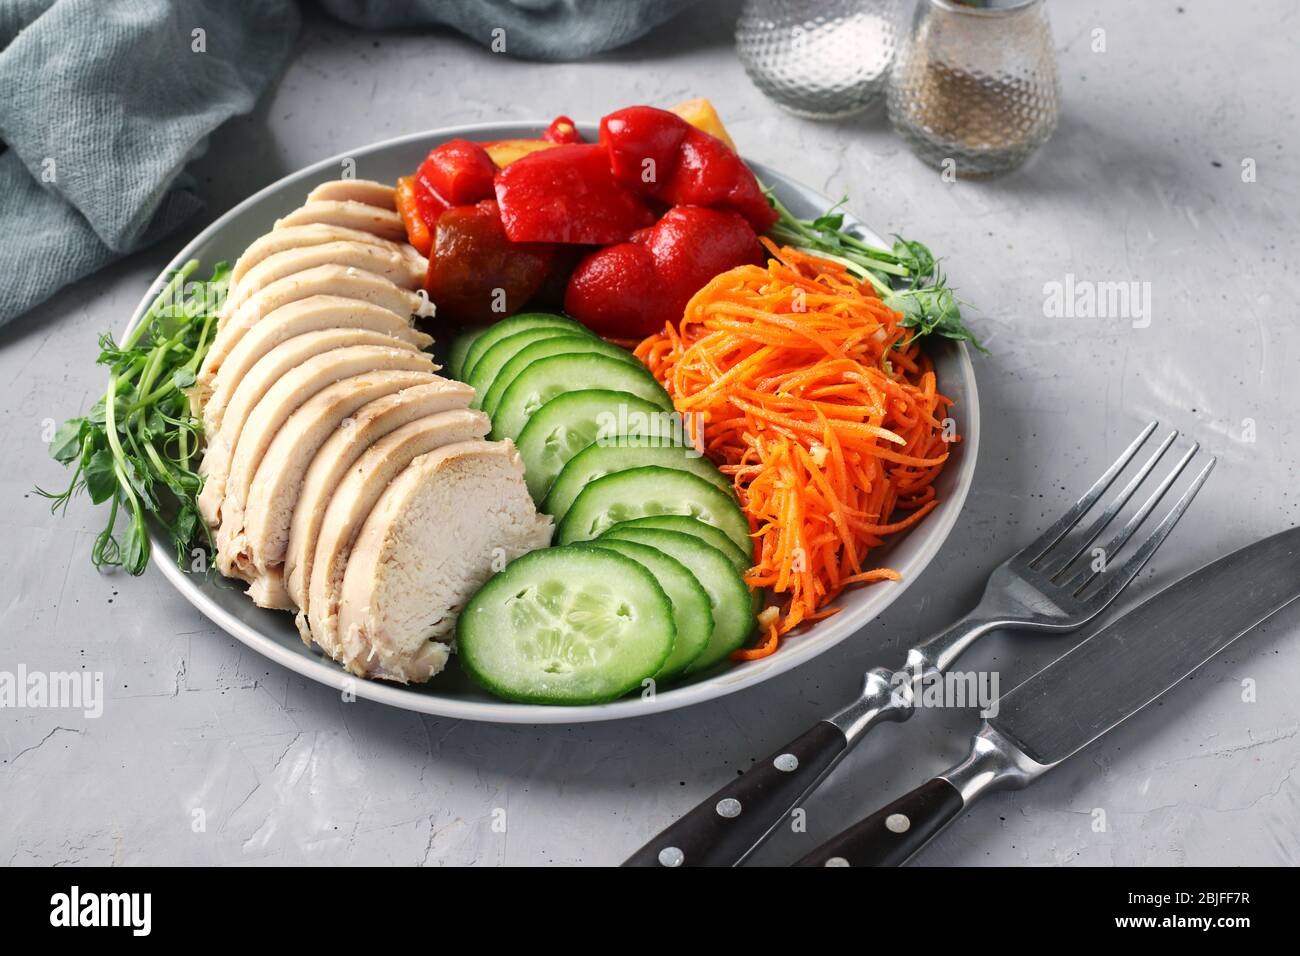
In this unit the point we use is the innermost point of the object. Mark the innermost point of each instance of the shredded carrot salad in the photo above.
(822, 409)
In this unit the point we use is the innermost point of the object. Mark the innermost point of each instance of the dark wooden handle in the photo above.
(892, 834)
(723, 829)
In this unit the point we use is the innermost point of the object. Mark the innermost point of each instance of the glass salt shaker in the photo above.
(975, 84)
(822, 59)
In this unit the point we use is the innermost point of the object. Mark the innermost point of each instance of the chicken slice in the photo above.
(385, 223)
(314, 314)
(356, 190)
(344, 281)
(282, 380)
(255, 531)
(440, 529)
(406, 269)
(296, 237)
(340, 451)
(352, 500)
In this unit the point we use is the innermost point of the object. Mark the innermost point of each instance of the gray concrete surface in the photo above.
(1143, 182)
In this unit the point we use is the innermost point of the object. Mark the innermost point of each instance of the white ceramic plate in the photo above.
(451, 694)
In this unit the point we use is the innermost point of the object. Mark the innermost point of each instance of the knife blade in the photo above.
(1085, 693)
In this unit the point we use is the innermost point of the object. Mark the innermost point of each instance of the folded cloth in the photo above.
(104, 103)
(534, 29)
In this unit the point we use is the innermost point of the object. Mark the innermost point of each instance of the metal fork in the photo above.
(1040, 588)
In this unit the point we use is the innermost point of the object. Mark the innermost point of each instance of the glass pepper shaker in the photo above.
(975, 84)
(822, 59)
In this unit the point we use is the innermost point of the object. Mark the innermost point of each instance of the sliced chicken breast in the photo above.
(254, 532)
(281, 381)
(286, 396)
(440, 529)
(406, 269)
(314, 314)
(345, 281)
(295, 237)
(337, 455)
(384, 223)
(356, 190)
(353, 499)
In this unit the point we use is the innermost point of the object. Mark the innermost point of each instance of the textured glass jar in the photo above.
(975, 84)
(818, 58)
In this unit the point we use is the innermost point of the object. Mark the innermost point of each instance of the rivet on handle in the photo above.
(728, 807)
(671, 856)
(786, 763)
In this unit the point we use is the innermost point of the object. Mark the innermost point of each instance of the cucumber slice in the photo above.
(609, 457)
(459, 347)
(570, 422)
(577, 625)
(549, 377)
(650, 491)
(557, 345)
(691, 607)
(742, 559)
(729, 600)
(491, 361)
(516, 323)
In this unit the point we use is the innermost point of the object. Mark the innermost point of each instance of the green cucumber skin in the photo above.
(492, 361)
(570, 410)
(733, 608)
(705, 532)
(629, 489)
(562, 344)
(460, 345)
(468, 633)
(497, 331)
(693, 612)
(571, 373)
(600, 459)
(696, 529)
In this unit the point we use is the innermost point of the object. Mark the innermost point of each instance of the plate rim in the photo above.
(326, 672)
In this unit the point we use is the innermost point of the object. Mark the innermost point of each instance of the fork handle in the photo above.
(723, 829)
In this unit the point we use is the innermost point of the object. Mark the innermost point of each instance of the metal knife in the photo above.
(1083, 694)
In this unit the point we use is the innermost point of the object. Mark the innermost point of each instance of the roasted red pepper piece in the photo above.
(459, 172)
(631, 289)
(643, 144)
(710, 173)
(429, 206)
(562, 130)
(662, 155)
(475, 272)
(613, 292)
(568, 194)
(418, 232)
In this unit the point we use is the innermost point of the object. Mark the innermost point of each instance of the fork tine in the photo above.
(1117, 580)
(1052, 536)
(1112, 547)
(1116, 505)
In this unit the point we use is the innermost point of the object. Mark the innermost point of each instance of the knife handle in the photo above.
(893, 833)
(723, 829)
